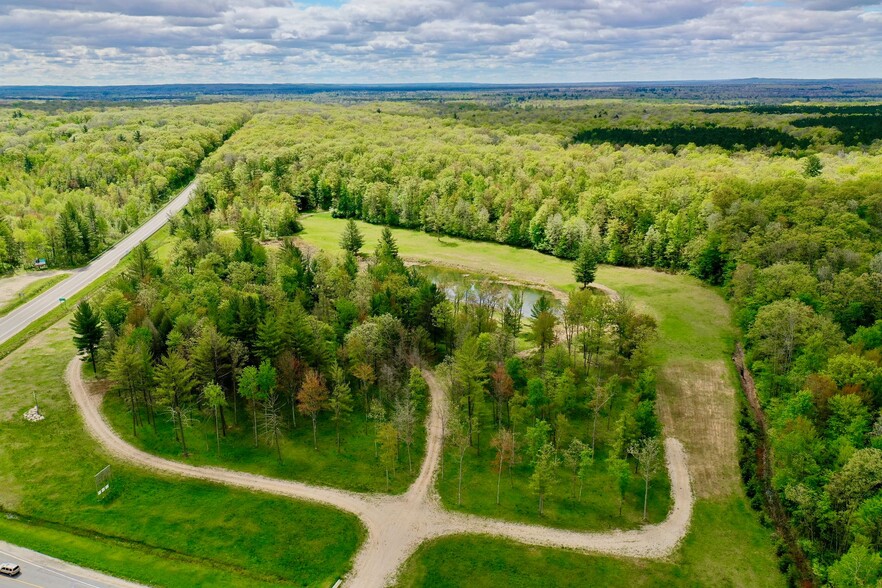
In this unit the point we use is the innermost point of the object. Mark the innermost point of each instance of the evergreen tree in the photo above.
(387, 248)
(88, 331)
(585, 267)
(812, 167)
(352, 239)
(142, 265)
(174, 383)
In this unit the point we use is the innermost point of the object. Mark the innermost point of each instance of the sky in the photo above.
(104, 42)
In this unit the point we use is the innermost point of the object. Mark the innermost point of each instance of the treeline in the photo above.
(797, 109)
(700, 211)
(75, 181)
(731, 138)
(853, 130)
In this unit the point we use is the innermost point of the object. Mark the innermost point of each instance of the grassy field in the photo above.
(31, 291)
(354, 468)
(719, 551)
(726, 544)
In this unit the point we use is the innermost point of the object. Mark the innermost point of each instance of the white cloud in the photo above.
(118, 41)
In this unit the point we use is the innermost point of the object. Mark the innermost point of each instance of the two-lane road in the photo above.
(18, 320)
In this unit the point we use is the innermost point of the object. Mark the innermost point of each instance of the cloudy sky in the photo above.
(370, 41)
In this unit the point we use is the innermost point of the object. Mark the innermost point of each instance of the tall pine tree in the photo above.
(352, 239)
(585, 268)
(87, 330)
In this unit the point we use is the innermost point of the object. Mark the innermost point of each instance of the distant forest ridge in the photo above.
(741, 92)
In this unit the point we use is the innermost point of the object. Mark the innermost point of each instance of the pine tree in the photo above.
(174, 383)
(269, 339)
(585, 268)
(352, 239)
(88, 331)
(387, 248)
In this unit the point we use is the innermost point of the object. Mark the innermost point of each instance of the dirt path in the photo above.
(397, 525)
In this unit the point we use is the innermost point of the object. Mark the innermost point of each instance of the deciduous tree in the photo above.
(312, 398)
(648, 456)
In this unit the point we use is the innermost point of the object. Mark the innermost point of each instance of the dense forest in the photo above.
(75, 181)
(795, 240)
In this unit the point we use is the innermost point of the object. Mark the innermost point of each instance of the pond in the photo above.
(471, 286)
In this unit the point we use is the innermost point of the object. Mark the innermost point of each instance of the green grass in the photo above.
(152, 529)
(721, 551)
(47, 474)
(354, 468)
(31, 291)
(155, 566)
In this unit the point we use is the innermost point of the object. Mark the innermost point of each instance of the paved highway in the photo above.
(43, 571)
(37, 569)
(17, 320)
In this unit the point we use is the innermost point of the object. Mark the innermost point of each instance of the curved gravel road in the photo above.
(397, 525)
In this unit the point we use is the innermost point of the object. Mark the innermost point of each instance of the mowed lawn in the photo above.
(153, 529)
(697, 404)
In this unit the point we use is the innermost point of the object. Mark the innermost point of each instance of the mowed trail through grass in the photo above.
(697, 404)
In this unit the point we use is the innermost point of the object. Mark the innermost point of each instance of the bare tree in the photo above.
(602, 396)
(273, 423)
(505, 448)
(648, 454)
(405, 420)
(377, 414)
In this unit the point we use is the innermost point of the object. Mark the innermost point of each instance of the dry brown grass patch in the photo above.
(696, 403)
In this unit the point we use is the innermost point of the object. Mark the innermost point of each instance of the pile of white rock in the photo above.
(33, 415)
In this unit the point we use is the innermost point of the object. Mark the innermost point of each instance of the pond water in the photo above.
(469, 285)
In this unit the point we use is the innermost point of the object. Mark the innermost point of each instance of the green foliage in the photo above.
(351, 240)
(585, 267)
(88, 330)
(858, 568)
(49, 494)
(812, 167)
(73, 183)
